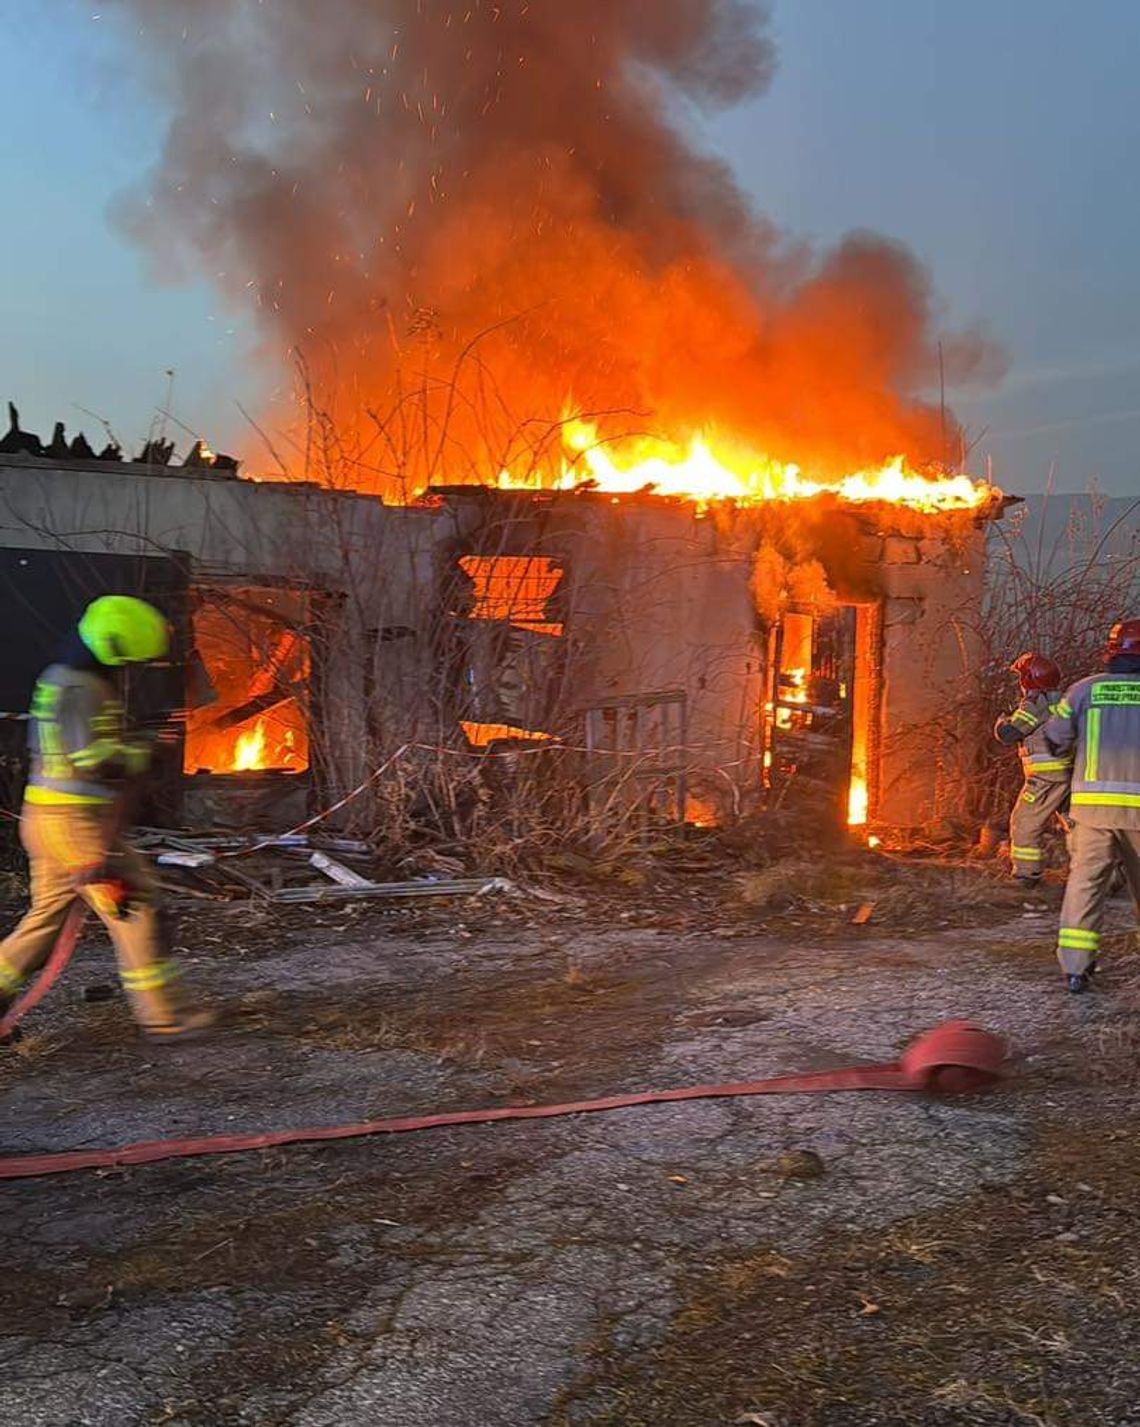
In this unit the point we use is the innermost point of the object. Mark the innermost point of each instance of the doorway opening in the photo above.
(821, 711)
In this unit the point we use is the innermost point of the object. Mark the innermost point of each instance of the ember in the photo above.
(514, 588)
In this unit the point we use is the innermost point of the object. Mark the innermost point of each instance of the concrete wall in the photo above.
(657, 598)
(660, 599)
(378, 561)
(667, 594)
(932, 590)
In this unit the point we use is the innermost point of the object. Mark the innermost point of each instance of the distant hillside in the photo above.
(1051, 534)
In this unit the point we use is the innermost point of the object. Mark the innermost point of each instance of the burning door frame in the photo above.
(829, 711)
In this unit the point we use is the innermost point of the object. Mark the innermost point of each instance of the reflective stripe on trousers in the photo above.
(61, 843)
(1037, 804)
(1093, 852)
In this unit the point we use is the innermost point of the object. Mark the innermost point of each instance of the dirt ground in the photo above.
(965, 1261)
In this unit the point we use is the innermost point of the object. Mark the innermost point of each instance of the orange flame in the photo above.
(249, 749)
(857, 801)
(792, 689)
(705, 470)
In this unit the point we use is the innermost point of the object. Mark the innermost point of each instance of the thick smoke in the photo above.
(388, 179)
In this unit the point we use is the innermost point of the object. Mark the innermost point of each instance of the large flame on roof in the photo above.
(707, 469)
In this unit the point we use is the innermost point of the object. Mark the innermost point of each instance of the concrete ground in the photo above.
(963, 1261)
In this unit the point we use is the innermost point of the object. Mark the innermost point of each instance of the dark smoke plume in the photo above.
(387, 179)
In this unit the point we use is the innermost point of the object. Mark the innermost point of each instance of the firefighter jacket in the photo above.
(77, 739)
(1098, 724)
(1025, 727)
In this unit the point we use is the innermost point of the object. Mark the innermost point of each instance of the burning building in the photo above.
(728, 652)
(600, 480)
(669, 658)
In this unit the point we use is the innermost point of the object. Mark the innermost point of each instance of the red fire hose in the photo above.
(953, 1058)
(65, 942)
(49, 975)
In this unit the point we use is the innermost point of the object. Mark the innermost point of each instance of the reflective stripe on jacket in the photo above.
(1027, 722)
(77, 739)
(1098, 724)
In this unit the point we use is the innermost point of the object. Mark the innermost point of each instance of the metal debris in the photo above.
(270, 868)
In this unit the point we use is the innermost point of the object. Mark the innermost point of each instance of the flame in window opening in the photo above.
(479, 735)
(701, 812)
(514, 588)
(258, 663)
(792, 688)
(249, 749)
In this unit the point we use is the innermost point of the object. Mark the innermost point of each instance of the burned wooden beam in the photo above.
(250, 708)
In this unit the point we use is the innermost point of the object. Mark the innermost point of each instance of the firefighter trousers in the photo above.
(1039, 801)
(62, 843)
(1093, 853)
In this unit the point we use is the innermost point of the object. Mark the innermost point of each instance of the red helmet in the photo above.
(1123, 638)
(1036, 672)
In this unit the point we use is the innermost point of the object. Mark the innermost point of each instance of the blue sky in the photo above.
(996, 137)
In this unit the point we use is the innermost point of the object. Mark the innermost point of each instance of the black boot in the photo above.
(1079, 982)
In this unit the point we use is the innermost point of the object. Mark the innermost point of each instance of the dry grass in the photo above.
(979, 1314)
(986, 1398)
(581, 978)
(781, 884)
(1116, 1058)
(902, 895)
(36, 1044)
(445, 1043)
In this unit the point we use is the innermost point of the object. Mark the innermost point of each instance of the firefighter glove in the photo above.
(111, 893)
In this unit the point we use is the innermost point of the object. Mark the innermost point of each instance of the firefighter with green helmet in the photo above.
(1097, 724)
(82, 756)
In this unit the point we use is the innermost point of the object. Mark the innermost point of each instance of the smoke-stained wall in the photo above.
(661, 597)
(655, 598)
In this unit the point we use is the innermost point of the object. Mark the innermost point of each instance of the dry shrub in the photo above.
(447, 1043)
(907, 898)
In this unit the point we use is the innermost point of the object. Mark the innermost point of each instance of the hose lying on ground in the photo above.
(953, 1058)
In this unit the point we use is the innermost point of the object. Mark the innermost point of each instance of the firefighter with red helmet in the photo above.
(1097, 725)
(1045, 789)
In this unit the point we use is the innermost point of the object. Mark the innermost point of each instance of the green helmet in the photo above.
(119, 629)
